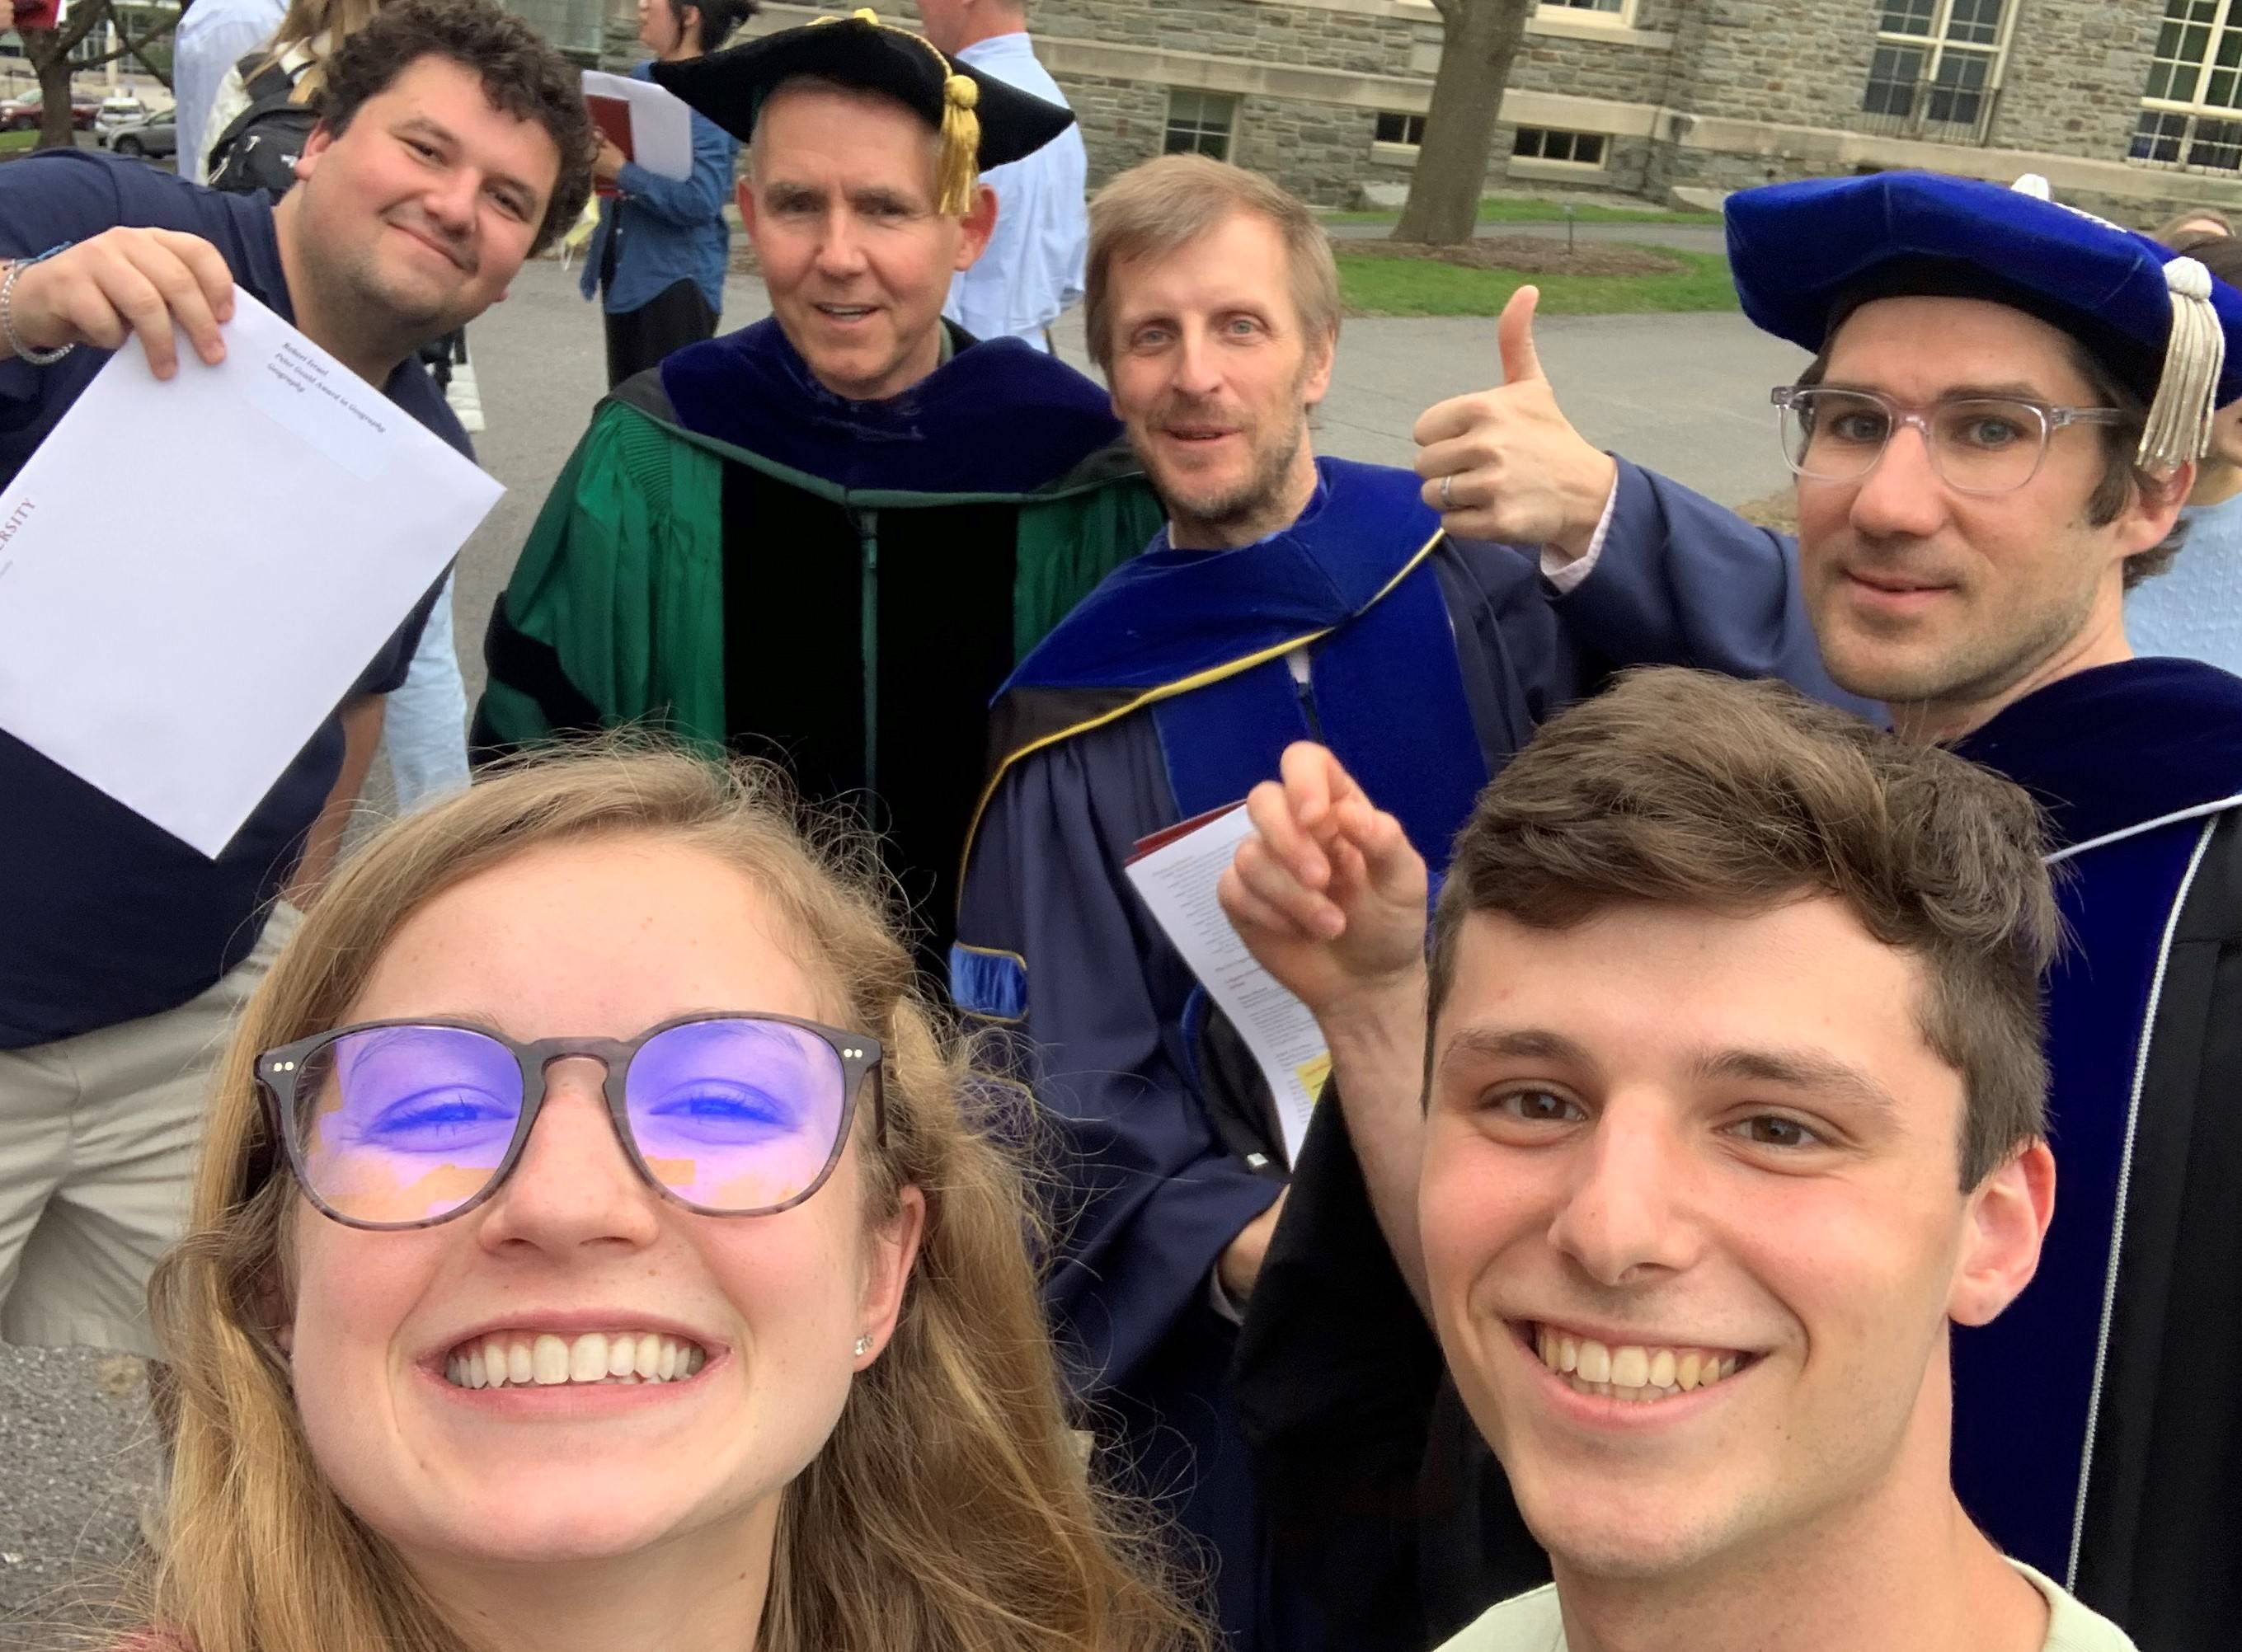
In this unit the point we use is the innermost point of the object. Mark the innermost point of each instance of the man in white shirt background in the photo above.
(1032, 273)
(213, 37)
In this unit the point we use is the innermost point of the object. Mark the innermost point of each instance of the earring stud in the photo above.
(864, 1345)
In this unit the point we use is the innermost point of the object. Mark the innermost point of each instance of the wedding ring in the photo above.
(1447, 499)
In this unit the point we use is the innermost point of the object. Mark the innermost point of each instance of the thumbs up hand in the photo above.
(1505, 465)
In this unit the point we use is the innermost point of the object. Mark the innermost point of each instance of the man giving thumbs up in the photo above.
(1506, 464)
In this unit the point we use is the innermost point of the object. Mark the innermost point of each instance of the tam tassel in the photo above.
(960, 168)
(2178, 429)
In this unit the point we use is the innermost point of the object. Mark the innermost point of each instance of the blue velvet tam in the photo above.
(1805, 255)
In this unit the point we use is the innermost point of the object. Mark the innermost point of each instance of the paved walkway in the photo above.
(1687, 237)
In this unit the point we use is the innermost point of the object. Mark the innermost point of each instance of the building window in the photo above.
(1199, 123)
(1613, 8)
(2191, 107)
(1936, 63)
(1401, 128)
(1541, 143)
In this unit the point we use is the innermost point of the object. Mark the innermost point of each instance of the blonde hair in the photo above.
(948, 1510)
(320, 25)
(1151, 211)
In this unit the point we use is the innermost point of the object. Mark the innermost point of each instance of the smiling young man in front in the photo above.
(1734, 1106)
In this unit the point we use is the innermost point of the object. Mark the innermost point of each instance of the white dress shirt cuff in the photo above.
(1565, 576)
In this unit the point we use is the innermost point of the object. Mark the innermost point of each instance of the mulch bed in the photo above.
(1532, 254)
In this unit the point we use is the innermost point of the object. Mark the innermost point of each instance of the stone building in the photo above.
(2131, 108)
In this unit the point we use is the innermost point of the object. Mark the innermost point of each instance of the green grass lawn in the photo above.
(14, 142)
(1378, 286)
(1506, 210)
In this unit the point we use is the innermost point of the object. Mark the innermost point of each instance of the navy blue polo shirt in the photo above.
(104, 917)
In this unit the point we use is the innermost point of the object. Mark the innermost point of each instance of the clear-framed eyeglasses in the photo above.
(404, 1124)
(1977, 444)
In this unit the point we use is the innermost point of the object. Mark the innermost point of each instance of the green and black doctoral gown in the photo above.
(742, 557)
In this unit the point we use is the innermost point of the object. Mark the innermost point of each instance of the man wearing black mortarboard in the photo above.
(1992, 442)
(828, 536)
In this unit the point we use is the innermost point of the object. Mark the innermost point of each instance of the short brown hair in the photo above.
(1152, 210)
(522, 76)
(1677, 787)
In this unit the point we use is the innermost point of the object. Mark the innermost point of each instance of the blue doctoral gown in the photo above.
(2095, 1433)
(1425, 664)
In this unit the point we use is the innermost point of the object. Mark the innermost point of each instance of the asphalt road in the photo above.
(1684, 394)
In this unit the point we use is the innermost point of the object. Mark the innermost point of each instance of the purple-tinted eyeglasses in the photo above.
(406, 1124)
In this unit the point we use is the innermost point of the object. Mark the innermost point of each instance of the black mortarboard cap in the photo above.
(983, 121)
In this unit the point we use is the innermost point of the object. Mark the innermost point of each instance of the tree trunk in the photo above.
(55, 129)
(49, 52)
(1479, 40)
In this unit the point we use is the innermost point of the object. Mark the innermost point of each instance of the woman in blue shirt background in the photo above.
(659, 254)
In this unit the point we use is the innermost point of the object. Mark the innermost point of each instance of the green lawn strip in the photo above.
(10, 143)
(1378, 286)
(1504, 211)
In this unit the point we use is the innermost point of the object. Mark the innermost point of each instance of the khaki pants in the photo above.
(98, 1140)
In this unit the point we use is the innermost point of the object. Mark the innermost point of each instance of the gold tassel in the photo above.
(2178, 428)
(960, 147)
(959, 168)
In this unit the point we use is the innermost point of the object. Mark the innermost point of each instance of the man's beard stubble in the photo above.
(1256, 501)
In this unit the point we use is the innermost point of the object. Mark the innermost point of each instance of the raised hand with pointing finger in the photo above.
(1505, 465)
(1328, 894)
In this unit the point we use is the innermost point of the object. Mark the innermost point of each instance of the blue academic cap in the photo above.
(1805, 255)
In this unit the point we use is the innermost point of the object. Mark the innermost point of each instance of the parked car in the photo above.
(21, 114)
(155, 133)
(122, 109)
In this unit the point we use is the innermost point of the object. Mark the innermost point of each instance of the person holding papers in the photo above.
(452, 143)
(827, 537)
(1286, 595)
(657, 260)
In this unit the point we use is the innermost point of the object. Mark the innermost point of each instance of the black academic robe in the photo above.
(1165, 695)
(2095, 1436)
(739, 556)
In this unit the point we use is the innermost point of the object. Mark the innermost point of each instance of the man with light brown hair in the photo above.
(1733, 1106)
(1288, 597)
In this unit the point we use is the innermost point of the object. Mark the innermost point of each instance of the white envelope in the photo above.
(193, 573)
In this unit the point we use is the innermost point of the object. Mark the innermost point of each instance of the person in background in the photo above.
(829, 536)
(2202, 220)
(213, 37)
(2193, 609)
(657, 258)
(302, 44)
(1032, 273)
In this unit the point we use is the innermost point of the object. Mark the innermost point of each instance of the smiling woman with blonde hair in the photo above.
(598, 1238)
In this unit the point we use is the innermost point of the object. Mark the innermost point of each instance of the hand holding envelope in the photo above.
(125, 281)
(177, 642)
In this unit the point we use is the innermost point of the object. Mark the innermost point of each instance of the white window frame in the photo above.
(1619, 16)
(1935, 45)
(1206, 97)
(2193, 110)
(1542, 166)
